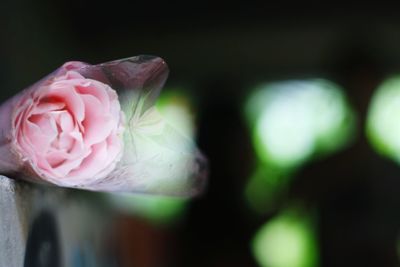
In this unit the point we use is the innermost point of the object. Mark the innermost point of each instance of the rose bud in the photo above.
(95, 127)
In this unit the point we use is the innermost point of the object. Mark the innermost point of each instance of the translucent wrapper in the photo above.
(95, 127)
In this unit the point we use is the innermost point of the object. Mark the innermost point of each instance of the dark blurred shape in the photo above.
(42, 248)
(216, 232)
(141, 244)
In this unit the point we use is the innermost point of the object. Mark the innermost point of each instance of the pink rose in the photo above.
(69, 130)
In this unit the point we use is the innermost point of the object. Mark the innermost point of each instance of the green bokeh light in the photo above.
(383, 128)
(293, 120)
(157, 209)
(287, 241)
(265, 188)
(177, 109)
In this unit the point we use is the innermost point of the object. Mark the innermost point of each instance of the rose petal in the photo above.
(56, 158)
(64, 169)
(90, 165)
(65, 121)
(36, 137)
(64, 142)
(44, 107)
(46, 124)
(96, 89)
(65, 90)
(98, 124)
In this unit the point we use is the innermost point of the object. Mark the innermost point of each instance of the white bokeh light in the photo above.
(294, 119)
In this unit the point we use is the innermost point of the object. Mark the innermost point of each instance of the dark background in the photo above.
(219, 50)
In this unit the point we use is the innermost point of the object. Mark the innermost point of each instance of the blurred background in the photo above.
(296, 107)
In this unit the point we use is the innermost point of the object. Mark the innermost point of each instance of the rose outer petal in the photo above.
(97, 90)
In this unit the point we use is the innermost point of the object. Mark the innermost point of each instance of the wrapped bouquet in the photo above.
(95, 127)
